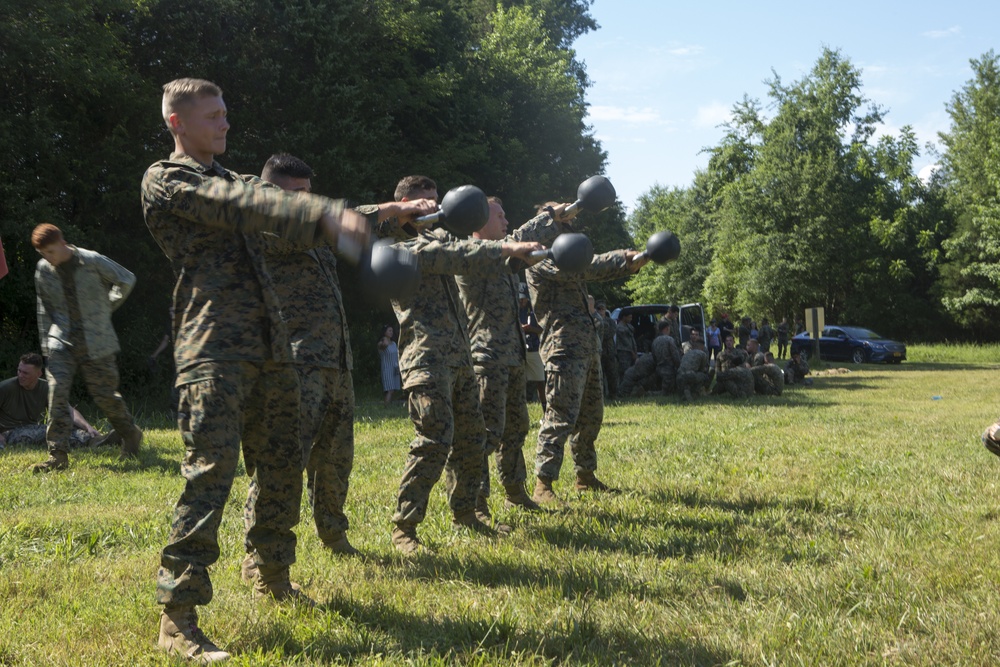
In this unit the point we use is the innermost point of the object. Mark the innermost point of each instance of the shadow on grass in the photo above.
(385, 630)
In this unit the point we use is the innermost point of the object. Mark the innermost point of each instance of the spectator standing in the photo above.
(713, 340)
(765, 335)
(388, 356)
(783, 338)
(625, 344)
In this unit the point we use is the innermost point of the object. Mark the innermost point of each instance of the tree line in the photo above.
(806, 207)
(366, 91)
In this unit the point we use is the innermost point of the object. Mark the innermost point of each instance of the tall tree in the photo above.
(971, 172)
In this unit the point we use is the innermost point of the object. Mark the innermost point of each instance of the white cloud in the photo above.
(712, 115)
(682, 51)
(925, 174)
(939, 34)
(645, 115)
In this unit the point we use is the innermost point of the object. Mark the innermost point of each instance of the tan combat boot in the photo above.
(273, 582)
(471, 520)
(544, 495)
(483, 509)
(181, 637)
(248, 569)
(130, 443)
(587, 481)
(404, 537)
(57, 461)
(340, 545)
(518, 497)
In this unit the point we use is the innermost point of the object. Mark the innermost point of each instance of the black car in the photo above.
(645, 317)
(851, 344)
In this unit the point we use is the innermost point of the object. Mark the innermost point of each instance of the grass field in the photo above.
(852, 522)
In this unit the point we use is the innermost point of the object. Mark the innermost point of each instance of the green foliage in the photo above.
(465, 91)
(971, 171)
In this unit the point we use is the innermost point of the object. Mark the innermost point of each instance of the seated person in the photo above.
(640, 377)
(667, 356)
(733, 375)
(796, 370)
(23, 400)
(768, 378)
(694, 375)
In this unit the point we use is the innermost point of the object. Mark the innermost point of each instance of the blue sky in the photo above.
(665, 74)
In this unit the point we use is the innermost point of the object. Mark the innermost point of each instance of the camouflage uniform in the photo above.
(75, 302)
(232, 348)
(693, 373)
(641, 377)
(436, 365)
(668, 358)
(609, 357)
(732, 376)
(625, 346)
(570, 352)
(498, 357)
(308, 289)
(768, 378)
(796, 372)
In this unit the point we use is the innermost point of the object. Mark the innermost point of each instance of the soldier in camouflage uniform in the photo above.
(498, 355)
(796, 370)
(693, 373)
(768, 378)
(640, 377)
(571, 354)
(609, 353)
(233, 354)
(437, 369)
(732, 371)
(77, 291)
(666, 355)
(308, 290)
(625, 345)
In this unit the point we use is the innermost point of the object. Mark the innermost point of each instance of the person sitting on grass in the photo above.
(23, 400)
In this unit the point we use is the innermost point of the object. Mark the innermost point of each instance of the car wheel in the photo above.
(858, 356)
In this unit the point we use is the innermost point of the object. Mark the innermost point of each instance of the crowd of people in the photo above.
(702, 364)
(263, 358)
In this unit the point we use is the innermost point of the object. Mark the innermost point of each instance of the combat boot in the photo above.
(131, 440)
(181, 637)
(483, 509)
(340, 545)
(57, 461)
(471, 520)
(991, 437)
(518, 497)
(544, 495)
(100, 440)
(587, 481)
(404, 537)
(272, 582)
(248, 569)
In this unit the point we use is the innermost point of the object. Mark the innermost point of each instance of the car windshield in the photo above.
(861, 334)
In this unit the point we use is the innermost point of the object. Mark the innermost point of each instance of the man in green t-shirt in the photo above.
(23, 400)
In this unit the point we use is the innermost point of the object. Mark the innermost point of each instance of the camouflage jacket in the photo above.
(666, 353)
(608, 337)
(694, 360)
(758, 359)
(626, 338)
(432, 321)
(207, 220)
(730, 359)
(560, 300)
(101, 287)
(492, 307)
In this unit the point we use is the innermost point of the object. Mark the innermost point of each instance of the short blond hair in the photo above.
(182, 92)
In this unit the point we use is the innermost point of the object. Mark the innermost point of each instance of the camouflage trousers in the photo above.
(326, 429)
(574, 412)
(693, 381)
(450, 437)
(505, 412)
(101, 376)
(609, 370)
(640, 377)
(34, 434)
(737, 382)
(768, 379)
(222, 403)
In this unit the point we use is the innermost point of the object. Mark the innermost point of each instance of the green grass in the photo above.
(851, 522)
